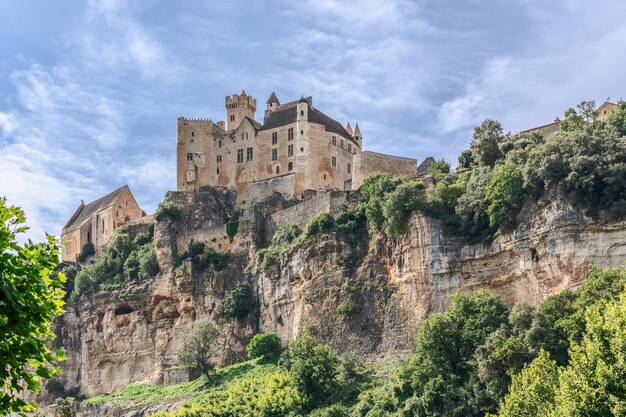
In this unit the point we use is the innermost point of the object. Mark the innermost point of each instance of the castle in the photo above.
(296, 143)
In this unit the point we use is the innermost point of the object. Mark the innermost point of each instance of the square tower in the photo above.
(239, 106)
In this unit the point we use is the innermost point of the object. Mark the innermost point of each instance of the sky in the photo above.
(90, 91)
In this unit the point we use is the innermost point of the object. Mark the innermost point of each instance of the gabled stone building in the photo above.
(97, 221)
(601, 113)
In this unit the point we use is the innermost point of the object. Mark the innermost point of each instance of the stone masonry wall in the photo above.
(330, 202)
(369, 162)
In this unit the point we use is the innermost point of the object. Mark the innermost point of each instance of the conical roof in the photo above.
(357, 131)
(273, 99)
(349, 128)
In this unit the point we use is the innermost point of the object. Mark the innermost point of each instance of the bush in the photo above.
(314, 369)
(198, 349)
(398, 205)
(231, 228)
(439, 168)
(88, 250)
(505, 196)
(264, 345)
(237, 302)
(320, 223)
(167, 209)
(346, 309)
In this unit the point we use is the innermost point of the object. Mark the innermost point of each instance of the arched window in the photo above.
(127, 218)
(290, 166)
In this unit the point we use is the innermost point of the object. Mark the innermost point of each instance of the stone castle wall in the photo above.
(331, 202)
(369, 162)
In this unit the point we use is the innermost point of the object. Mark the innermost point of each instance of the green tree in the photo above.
(237, 302)
(314, 368)
(439, 168)
(471, 207)
(505, 195)
(398, 204)
(466, 159)
(198, 349)
(485, 143)
(617, 118)
(263, 345)
(30, 298)
(593, 383)
(532, 391)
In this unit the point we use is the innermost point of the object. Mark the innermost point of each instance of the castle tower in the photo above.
(302, 138)
(272, 105)
(239, 106)
(357, 135)
(349, 129)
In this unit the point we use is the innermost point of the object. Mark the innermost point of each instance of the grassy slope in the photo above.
(232, 386)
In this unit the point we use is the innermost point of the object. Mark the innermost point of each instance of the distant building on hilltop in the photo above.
(97, 221)
(297, 148)
(602, 112)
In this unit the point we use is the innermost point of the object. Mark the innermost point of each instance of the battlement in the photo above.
(201, 119)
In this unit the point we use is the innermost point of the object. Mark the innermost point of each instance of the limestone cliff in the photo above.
(133, 334)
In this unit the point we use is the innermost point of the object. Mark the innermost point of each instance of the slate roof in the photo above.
(288, 114)
(273, 99)
(84, 212)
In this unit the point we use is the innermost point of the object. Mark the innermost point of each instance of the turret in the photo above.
(349, 128)
(239, 106)
(357, 135)
(272, 105)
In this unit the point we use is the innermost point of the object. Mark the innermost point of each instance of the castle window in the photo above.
(290, 133)
(242, 136)
(290, 166)
(334, 161)
(220, 144)
(189, 156)
(349, 148)
(274, 154)
(274, 138)
(301, 149)
(277, 170)
(302, 112)
(232, 117)
(239, 155)
(334, 140)
(218, 171)
(192, 134)
(341, 144)
(302, 132)
(290, 150)
(249, 154)
(219, 159)
(349, 169)
(324, 176)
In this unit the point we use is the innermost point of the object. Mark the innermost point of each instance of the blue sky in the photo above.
(90, 91)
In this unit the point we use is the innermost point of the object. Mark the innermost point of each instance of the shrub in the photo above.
(439, 167)
(320, 223)
(231, 228)
(198, 349)
(88, 250)
(314, 369)
(346, 309)
(264, 345)
(237, 302)
(505, 196)
(398, 205)
(167, 209)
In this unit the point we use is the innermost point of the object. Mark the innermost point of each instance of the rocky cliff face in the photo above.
(386, 286)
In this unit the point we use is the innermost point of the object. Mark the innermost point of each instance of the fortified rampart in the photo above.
(368, 162)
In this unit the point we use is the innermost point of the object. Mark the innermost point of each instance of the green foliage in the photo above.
(202, 257)
(320, 223)
(580, 118)
(617, 118)
(399, 204)
(232, 227)
(505, 195)
(439, 168)
(373, 192)
(263, 345)
(472, 206)
(167, 209)
(87, 251)
(485, 143)
(237, 302)
(466, 159)
(121, 262)
(346, 309)
(314, 369)
(30, 298)
(199, 348)
(532, 391)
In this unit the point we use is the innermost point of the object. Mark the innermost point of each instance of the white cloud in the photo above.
(7, 123)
